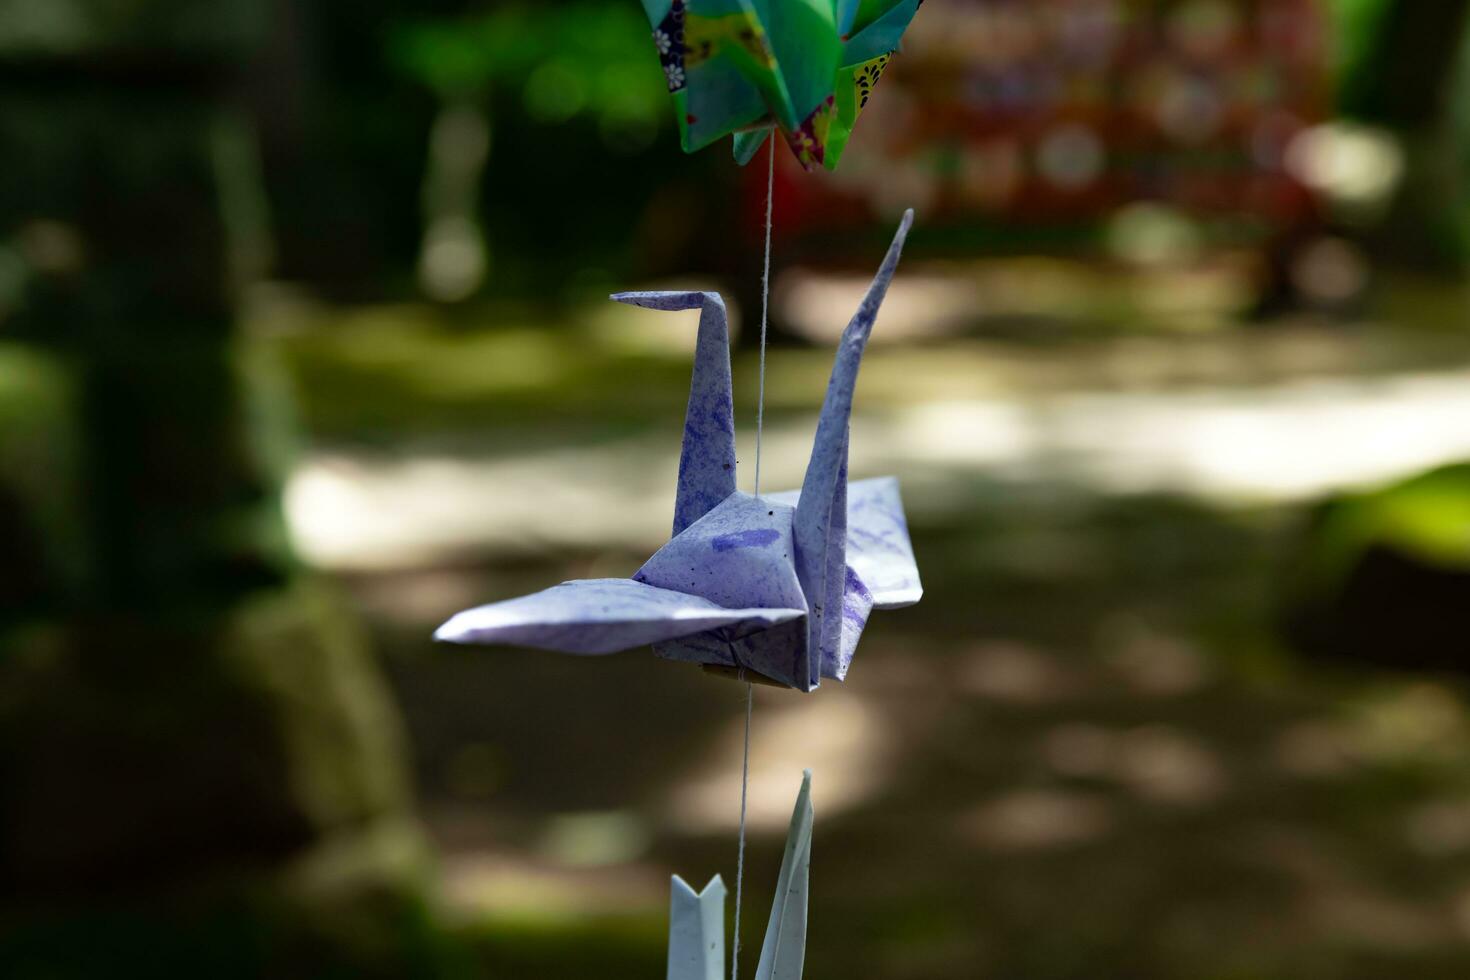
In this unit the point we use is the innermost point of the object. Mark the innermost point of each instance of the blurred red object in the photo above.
(1057, 112)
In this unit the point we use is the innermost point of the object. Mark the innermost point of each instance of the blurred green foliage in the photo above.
(1382, 575)
(1427, 516)
(582, 149)
(38, 495)
(564, 59)
(73, 28)
(1402, 66)
(610, 947)
(185, 730)
(1356, 23)
(227, 935)
(1398, 59)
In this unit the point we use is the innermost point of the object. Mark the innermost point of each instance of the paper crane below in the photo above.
(779, 586)
(697, 920)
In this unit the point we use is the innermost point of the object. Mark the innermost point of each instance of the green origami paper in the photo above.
(805, 67)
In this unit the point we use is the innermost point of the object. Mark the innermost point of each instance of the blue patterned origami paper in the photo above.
(780, 585)
(697, 921)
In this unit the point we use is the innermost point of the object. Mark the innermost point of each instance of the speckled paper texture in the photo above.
(781, 584)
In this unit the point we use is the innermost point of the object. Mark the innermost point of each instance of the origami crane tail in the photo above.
(784, 951)
(821, 512)
(696, 931)
(707, 460)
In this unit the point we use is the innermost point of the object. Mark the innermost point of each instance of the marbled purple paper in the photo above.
(781, 584)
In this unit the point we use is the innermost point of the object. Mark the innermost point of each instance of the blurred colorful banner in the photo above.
(1060, 111)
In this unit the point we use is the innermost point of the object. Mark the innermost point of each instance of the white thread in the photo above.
(740, 860)
(760, 411)
(760, 403)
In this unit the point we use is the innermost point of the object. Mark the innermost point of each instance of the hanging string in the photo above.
(740, 860)
(760, 410)
(760, 403)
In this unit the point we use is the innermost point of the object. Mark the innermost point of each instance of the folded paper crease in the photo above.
(780, 585)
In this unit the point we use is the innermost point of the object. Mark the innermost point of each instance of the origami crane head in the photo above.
(697, 920)
(780, 585)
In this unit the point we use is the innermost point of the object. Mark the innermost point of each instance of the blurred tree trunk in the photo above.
(184, 724)
(1403, 76)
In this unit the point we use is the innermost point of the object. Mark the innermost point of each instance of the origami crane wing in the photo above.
(784, 952)
(881, 572)
(878, 546)
(597, 616)
(821, 511)
(707, 459)
(872, 37)
(873, 28)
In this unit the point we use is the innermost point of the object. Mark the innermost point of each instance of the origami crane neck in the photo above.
(821, 512)
(707, 464)
(707, 460)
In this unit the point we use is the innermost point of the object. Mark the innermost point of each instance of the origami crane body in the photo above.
(697, 920)
(779, 585)
(806, 67)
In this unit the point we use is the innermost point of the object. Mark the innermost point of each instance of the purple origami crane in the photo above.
(779, 585)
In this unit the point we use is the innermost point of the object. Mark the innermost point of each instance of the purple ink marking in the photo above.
(754, 538)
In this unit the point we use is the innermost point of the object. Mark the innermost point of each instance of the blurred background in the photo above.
(304, 346)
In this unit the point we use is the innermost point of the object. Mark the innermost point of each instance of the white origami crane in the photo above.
(697, 921)
(779, 585)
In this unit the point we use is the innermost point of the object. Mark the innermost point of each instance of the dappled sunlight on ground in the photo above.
(363, 512)
(1033, 819)
(1271, 443)
(1033, 294)
(1009, 769)
(842, 735)
(481, 884)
